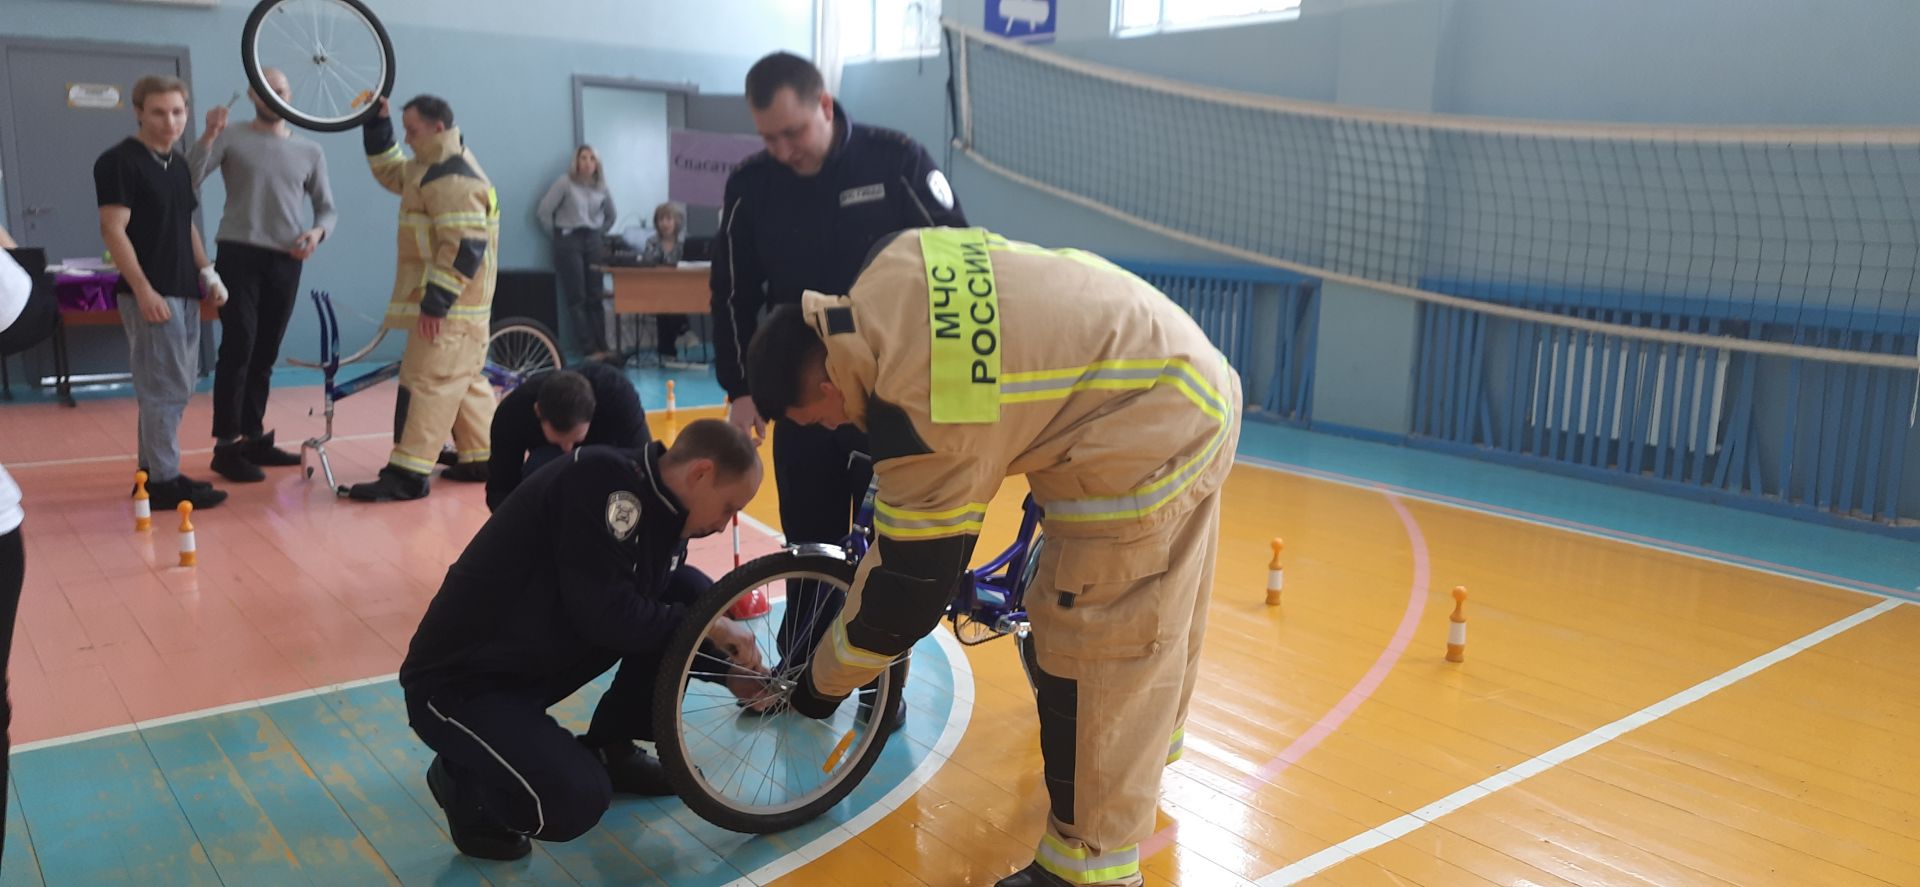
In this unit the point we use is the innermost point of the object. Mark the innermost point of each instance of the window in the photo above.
(888, 29)
(1150, 16)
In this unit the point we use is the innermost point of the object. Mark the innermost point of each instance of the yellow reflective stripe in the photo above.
(493, 203)
(412, 309)
(445, 280)
(901, 523)
(415, 220)
(1076, 866)
(410, 463)
(1177, 746)
(1145, 500)
(388, 157)
(461, 220)
(963, 321)
(475, 455)
(1115, 375)
(852, 656)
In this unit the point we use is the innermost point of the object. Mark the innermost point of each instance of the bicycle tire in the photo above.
(249, 59)
(548, 356)
(692, 786)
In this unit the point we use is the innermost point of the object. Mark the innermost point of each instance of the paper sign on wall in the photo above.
(701, 161)
(1032, 21)
(94, 96)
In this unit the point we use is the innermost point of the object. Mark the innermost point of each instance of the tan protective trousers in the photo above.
(442, 390)
(1115, 649)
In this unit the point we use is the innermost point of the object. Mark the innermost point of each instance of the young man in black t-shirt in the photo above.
(146, 218)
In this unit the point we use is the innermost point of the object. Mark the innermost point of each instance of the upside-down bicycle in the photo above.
(517, 348)
(773, 772)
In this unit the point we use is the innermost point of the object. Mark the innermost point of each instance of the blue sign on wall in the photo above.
(1027, 20)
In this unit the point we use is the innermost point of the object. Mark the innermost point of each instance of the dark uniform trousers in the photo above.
(505, 752)
(821, 475)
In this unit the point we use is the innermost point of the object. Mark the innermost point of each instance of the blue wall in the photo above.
(507, 72)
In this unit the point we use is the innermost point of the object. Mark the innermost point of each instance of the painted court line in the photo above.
(960, 713)
(196, 714)
(1545, 761)
(1706, 554)
(1360, 692)
(128, 457)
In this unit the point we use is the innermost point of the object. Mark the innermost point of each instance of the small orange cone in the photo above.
(189, 552)
(142, 509)
(1457, 631)
(670, 404)
(1276, 574)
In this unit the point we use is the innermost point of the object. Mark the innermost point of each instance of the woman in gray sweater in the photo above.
(577, 213)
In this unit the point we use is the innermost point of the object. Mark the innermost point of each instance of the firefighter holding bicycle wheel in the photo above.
(966, 358)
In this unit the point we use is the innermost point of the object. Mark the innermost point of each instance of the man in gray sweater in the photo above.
(263, 239)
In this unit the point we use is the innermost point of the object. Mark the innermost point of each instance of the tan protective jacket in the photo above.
(449, 241)
(975, 358)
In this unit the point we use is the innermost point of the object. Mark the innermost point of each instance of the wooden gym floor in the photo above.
(1655, 691)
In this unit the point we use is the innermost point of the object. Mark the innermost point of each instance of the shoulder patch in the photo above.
(623, 514)
(453, 166)
(941, 191)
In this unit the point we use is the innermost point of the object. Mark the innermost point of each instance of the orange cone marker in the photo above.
(670, 404)
(1276, 574)
(142, 509)
(189, 552)
(1457, 631)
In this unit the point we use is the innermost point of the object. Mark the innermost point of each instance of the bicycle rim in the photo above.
(770, 772)
(336, 57)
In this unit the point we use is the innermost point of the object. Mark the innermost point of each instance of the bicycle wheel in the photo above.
(522, 347)
(335, 54)
(766, 773)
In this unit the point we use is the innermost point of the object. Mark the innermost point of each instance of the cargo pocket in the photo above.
(1099, 601)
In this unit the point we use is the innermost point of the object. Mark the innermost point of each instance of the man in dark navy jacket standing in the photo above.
(803, 215)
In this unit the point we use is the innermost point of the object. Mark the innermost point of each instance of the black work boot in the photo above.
(261, 451)
(467, 472)
(896, 718)
(473, 829)
(631, 770)
(230, 461)
(394, 484)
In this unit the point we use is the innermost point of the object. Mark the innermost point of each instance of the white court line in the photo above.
(957, 718)
(1541, 763)
(128, 457)
(778, 537)
(138, 726)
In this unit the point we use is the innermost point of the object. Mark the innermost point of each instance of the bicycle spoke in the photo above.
(292, 39)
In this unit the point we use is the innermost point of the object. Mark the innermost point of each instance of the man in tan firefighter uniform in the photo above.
(967, 358)
(442, 294)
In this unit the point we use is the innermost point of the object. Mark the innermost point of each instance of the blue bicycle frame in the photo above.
(995, 595)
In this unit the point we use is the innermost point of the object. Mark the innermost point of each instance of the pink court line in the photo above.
(1711, 554)
(1361, 691)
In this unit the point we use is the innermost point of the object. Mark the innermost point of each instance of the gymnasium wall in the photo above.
(505, 65)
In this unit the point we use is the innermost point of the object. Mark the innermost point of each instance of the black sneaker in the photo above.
(393, 485)
(261, 451)
(196, 484)
(167, 495)
(472, 828)
(631, 770)
(449, 457)
(1033, 876)
(230, 463)
(467, 472)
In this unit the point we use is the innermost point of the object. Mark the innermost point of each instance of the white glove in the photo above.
(216, 288)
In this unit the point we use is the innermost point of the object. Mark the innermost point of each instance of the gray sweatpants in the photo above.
(165, 359)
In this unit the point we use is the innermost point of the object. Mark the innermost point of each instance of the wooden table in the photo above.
(658, 290)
